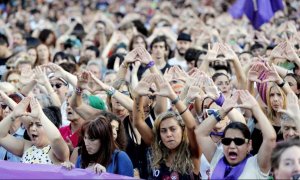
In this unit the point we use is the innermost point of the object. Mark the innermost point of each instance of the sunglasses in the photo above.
(237, 141)
(4, 106)
(57, 86)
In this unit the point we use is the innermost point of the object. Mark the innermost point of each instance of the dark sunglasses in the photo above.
(57, 86)
(237, 141)
(4, 106)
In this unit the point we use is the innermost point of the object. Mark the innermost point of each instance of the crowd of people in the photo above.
(157, 89)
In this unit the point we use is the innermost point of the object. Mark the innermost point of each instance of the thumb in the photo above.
(282, 111)
(68, 139)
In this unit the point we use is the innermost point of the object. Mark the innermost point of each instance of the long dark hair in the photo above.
(100, 129)
(121, 141)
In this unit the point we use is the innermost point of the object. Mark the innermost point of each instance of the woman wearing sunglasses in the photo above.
(235, 162)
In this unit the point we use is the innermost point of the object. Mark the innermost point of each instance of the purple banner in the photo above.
(257, 11)
(12, 170)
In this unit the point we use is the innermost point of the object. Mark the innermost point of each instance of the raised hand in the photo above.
(97, 84)
(36, 109)
(247, 100)
(231, 102)
(272, 75)
(27, 75)
(193, 93)
(83, 80)
(40, 75)
(292, 107)
(290, 52)
(228, 52)
(135, 66)
(212, 53)
(180, 74)
(131, 57)
(279, 50)
(20, 109)
(165, 88)
(144, 55)
(56, 69)
(143, 87)
(255, 71)
(168, 75)
(211, 89)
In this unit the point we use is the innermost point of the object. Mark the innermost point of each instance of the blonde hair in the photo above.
(182, 162)
(271, 114)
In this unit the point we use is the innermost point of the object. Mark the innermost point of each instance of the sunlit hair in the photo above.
(182, 162)
(270, 112)
(100, 129)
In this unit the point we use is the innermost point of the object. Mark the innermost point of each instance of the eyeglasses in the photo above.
(237, 141)
(4, 106)
(57, 86)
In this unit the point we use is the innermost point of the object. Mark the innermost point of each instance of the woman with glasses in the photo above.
(235, 161)
(17, 129)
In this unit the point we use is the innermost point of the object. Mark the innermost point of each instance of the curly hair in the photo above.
(182, 162)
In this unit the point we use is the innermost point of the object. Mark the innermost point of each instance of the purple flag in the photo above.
(12, 170)
(257, 11)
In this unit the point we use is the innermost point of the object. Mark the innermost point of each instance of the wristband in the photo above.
(175, 100)
(217, 115)
(281, 84)
(220, 100)
(78, 90)
(150, 64)
(111, 91)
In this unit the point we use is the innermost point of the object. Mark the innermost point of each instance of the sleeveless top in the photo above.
(33, 155)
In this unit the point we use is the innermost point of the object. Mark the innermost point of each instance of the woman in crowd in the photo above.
(234, 161)
(99, 152)
(286, 160)
(273, 92)
(46, 145)
(175, 150)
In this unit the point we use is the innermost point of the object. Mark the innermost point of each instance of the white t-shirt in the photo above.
(182, 64)
(251, 169)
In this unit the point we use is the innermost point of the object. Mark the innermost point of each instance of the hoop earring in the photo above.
(159, 143)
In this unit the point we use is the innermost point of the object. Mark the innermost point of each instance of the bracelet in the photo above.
(78, 91)
(150, 64)
(281, 84)
(217, 115)
(111, 91)
(183, 111)
(175, 100)
(220, 100)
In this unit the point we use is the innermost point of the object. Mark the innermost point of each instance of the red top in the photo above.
(66, 132)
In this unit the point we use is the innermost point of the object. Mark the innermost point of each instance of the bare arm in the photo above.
(139, 121)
